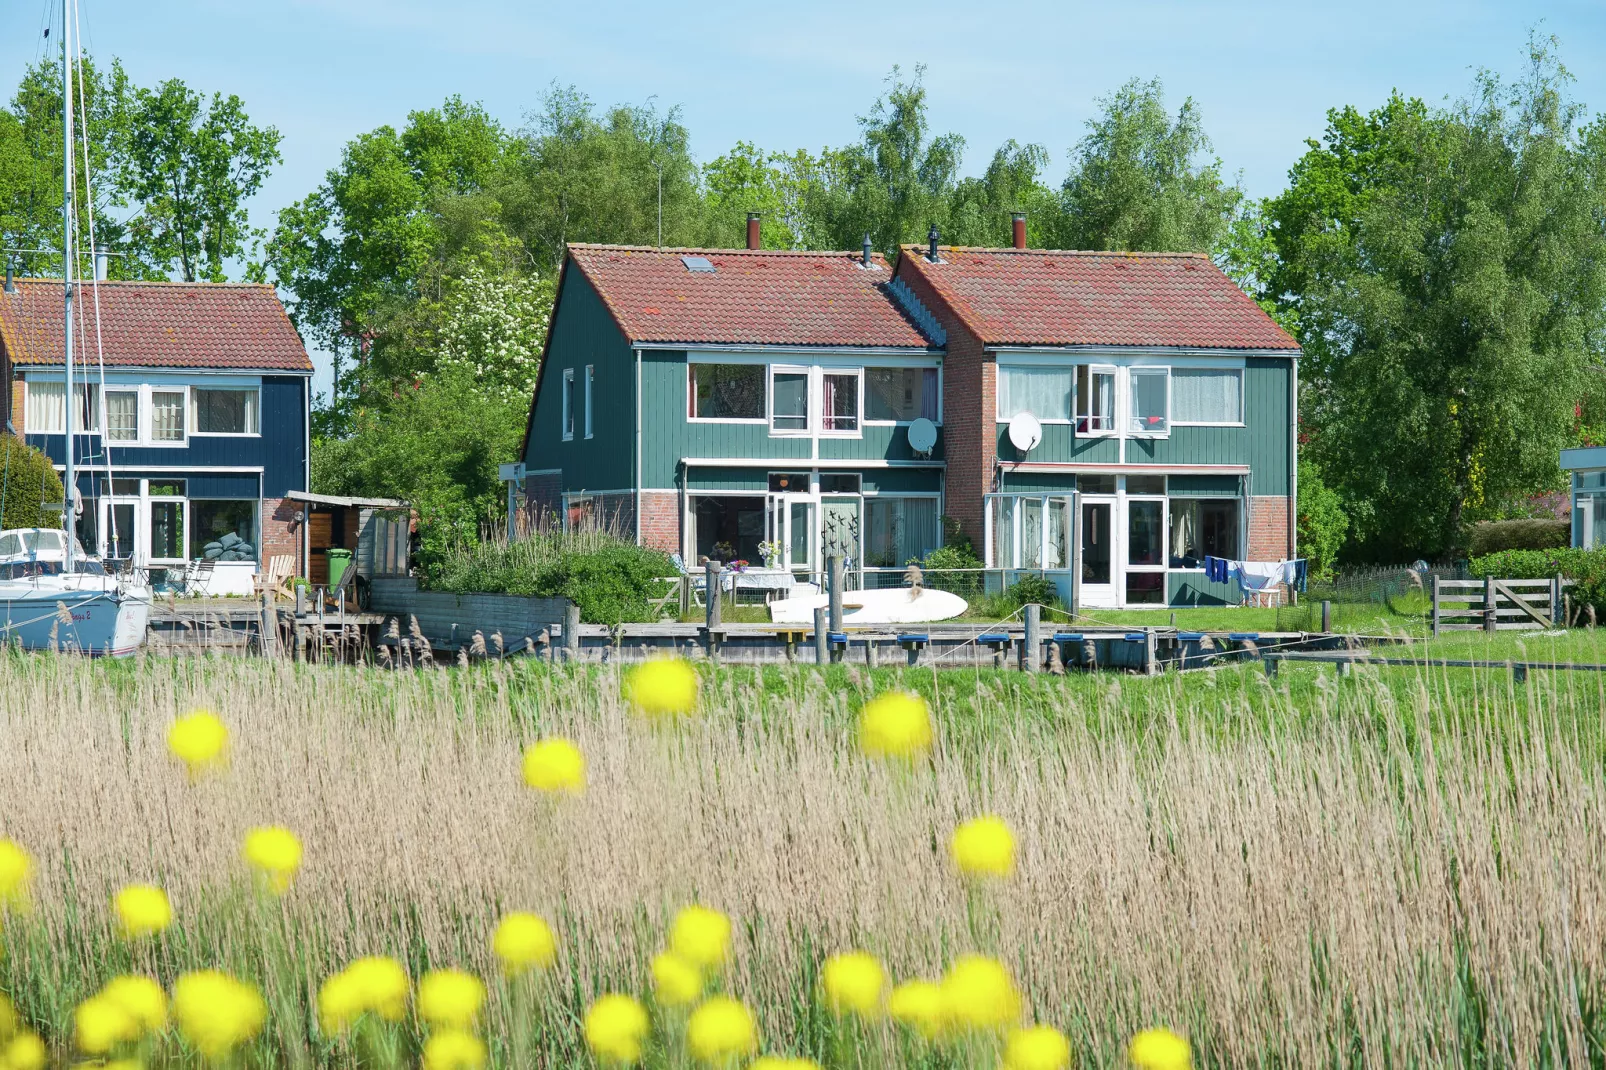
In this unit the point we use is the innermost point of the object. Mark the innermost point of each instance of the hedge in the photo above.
(1586, 568)
(612, 580)
(1493, 536)
(27, 481)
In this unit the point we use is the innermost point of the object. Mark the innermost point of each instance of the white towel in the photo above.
(1258, 577)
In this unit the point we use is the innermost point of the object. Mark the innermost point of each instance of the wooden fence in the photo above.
(1496, 605)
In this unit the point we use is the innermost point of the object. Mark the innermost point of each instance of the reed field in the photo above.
(1405, 868)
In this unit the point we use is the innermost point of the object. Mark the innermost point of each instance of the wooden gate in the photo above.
(1495, 605)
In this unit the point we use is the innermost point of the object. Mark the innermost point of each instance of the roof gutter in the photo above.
(1155, 351)
(1071, 468)
(790, 463)
(738, 347)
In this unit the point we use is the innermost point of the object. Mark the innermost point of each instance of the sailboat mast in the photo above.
(70, 480)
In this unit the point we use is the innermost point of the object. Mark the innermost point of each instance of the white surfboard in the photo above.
(894, 605)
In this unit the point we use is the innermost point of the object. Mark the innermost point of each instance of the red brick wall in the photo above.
(280, 535)
(1268, 529)
(18, 408)
(660, 520)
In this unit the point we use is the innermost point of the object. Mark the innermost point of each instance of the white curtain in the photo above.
(1206, 396)
(47, 412)
(1043, 392)
(167, 416)
(122, 416)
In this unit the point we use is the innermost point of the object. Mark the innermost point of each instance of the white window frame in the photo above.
(754, 421)
(1125, 401)
(32, 426)
(591, 375)
(566, 401)
(863, 392)
(194, 414)
(1046, 502)
(139, 415)
(148, 394)
(998, 392)
(811, 404)
(1114, 372)
(817, 388)
(1243, 408)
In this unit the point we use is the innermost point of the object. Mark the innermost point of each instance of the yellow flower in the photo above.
(8, 1017)
(453, 1049)
(216, 1013)
(1042, 1047)
(16, 872)
(778, 1062)
(983, 847)
(853, 983)
(523, 941)
(896, 724)
(663, 688)
(918, 1005)
(369, 985)
(199, 740)
(615, 1026)
(676, 981)
(721, 1030)
(275, 853)
(141, 998)
(450, 998)
(143, 910)
(978, 994)
(555, 766)
(339, 1002)
(1160, 1049)
(99, 1025)
(701, 936)
(25, 1052)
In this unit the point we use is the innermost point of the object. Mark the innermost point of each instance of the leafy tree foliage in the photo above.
(27, 481)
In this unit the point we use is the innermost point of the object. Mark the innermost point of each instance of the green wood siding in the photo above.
(902, 480)
(1192, 589)
(584, 333)
(1034, 483)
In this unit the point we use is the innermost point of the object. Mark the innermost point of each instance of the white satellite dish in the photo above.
(1025, 432)
(922, 435)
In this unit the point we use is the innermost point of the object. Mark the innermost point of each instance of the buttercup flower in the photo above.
(676, 981)
(663, 688)
(216, 1013)
(199, 740)
(853, 983)
(141, 998)
(524, 941)
(721, 1030)
(25, 1051)
(16, 874)
(615, 1026)
(918, 1005)
(555, 766)
(368, 986)
(142, 910)
(701, 936)
(983, 847)
(1041, 1047)
(1160, 1049)
(275, 853)
(896, 724)
(450, 998)
(778, 1062)
(99, 1025)
(978, 994)
(453, 1049)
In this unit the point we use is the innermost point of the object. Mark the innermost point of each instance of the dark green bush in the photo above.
(1586, 568)
(1495, 536)
(27, 480)
(612, 580)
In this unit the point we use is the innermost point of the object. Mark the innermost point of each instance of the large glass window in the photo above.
(167, 415)
(122, 416)
(1150, 402)
(1145, 534)
(725, 391)
(1203, 527)
(225, 412)
(789, 406)
(223, 530)
(46, 413)
(1207, 395)
(728, 527)
(568, 404)
(839, 402)
(167, 529)
(1095, 400)
(1043, 392)
(899, 530)
(900, 394)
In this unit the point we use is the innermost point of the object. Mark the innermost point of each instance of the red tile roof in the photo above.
(156, 325)
(1037, 297)
(760, 297)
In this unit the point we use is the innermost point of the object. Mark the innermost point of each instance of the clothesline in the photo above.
(1257, 577)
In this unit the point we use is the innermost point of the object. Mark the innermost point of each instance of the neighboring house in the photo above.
(705, 401)
(195, 434)
(1588, 467)
(1165, 396)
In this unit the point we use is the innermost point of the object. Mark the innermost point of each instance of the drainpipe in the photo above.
(1293, 457)
(638, 432)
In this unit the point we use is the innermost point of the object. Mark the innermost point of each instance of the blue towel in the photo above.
(1216, 569)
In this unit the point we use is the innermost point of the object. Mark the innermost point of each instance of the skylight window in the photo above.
(698, 263)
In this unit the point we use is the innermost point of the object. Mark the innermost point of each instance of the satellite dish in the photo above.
(922, 435)
(1025, 432)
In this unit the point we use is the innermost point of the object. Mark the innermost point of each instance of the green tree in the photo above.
(1448, 270)
(1141, 181)
(1322, 524)
(980, 209)
(27, 481)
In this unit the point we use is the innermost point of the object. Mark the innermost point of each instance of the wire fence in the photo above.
(1361, 595)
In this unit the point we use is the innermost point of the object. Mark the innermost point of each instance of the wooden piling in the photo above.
(571, 632)
(1031, 651)
(834, 570)
(822, 639)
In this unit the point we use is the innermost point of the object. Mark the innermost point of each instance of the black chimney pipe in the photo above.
(11, 284)
(867, 249)
(932, 238)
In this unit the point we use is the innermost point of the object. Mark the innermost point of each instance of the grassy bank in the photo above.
(1401, 868)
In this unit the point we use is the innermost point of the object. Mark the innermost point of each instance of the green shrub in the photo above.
(27, 481)
(1586, 568)
(1494, 536)
(939, 564)
(1322, 522)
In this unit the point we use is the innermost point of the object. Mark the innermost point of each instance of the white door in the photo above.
(789, 521)
(121, 521)
(1144, 582)
(1101, 556)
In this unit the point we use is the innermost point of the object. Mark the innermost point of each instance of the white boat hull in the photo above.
(896, 605)
(90, 617)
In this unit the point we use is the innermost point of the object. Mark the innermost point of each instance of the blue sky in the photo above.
(788, 76)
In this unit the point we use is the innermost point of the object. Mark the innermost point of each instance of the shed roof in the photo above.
(751, 297)
(1040, 297)
(156, 325)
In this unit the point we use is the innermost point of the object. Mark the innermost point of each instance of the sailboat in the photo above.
(53, 595)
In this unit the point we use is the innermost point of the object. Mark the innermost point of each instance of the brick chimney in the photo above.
(1019, 221)
(752, 230)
